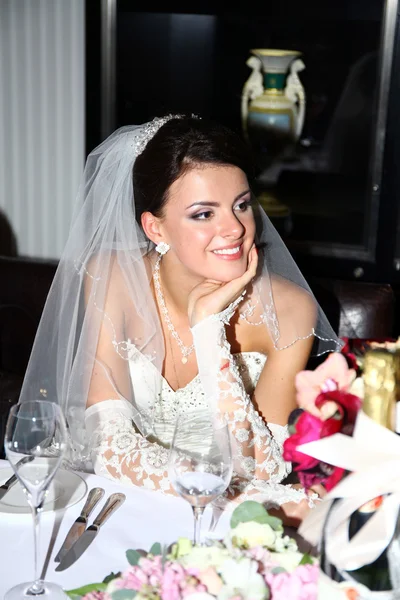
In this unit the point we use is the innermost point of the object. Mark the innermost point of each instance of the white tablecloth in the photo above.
(145, 517)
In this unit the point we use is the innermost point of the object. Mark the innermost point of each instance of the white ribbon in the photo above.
(373, 456)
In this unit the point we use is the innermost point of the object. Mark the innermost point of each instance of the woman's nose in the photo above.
(231, 226)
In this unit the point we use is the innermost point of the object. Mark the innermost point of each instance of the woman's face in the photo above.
(208, 222)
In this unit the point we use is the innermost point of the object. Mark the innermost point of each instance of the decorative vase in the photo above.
(273, 102)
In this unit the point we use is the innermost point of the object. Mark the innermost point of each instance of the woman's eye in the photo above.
(243, 205)
(202, 216)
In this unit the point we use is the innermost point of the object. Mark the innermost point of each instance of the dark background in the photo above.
(193, 59)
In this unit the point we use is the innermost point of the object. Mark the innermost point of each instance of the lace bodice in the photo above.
(190, 397)
(119, 451)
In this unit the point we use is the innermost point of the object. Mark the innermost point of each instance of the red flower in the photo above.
(308, 429)
(347, 351)
(333, 479)
(346, 345)
(347, 406)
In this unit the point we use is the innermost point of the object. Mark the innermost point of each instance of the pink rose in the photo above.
(332, 374)
(210, 578)
(301, 584)
(133, 579)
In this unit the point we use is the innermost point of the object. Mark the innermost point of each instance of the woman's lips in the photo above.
(233, 253)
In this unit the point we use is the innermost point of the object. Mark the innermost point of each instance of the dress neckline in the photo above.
(196, 377)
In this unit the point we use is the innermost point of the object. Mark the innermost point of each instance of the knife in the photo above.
(11, 480)
(79, 526)
(87, 537)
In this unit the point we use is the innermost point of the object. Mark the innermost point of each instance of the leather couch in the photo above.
(355, 310)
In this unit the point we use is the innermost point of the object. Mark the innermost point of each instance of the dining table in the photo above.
(145, 517)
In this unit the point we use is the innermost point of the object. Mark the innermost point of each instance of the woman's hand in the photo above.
(211, 297)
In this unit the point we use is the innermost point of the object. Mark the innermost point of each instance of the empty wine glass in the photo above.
(200, 463)
(35, 442)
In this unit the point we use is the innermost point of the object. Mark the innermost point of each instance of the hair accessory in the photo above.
(162, 248)
(150, 129)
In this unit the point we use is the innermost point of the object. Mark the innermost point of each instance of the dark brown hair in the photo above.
(179, 145)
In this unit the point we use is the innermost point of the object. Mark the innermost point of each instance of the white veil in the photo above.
(102, 260)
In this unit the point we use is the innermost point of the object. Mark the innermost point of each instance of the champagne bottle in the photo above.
(381, 375)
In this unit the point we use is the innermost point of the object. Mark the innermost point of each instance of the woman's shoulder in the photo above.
(282, 295)
(290, 298)
(274, 306)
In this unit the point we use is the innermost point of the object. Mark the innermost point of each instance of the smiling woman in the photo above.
(175, 294)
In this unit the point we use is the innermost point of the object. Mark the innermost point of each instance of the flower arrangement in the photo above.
(329, 399)
(327, 405)
(329, 416)
(255, 561)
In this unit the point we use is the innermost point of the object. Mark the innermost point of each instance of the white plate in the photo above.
(66, 489)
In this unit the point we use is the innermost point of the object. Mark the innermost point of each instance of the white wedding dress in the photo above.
(119, 451)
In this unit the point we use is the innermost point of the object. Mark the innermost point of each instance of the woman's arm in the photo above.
(259, 466)
(118, 449)
(257, 441)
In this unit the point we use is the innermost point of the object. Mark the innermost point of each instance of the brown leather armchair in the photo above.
(356, 309)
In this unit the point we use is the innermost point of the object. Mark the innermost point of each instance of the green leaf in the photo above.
(156, 550)
(133, 557)
(306, 560)
(82, 591)
(273, 522)
(111, 576)
(123, 595)
(249, 510)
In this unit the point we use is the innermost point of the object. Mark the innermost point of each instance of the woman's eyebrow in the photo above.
(209, 203)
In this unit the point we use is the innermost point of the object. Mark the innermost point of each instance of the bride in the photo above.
(176, 293)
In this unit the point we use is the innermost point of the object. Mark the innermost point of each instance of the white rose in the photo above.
(253, 534)
(282, 544)
(288, 560)
(242, 580)
(203, 557)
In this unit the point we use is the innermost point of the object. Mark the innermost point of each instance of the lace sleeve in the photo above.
(118, 451)
(258, 460)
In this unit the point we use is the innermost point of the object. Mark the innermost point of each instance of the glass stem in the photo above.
(37, 586)
(197, 514)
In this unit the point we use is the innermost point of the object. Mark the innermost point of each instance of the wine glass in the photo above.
(200, 463)
(35, 442)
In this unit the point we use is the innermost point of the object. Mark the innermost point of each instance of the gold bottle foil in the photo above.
(381, 375)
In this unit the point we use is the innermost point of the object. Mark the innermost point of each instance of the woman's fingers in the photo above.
(211, 296)
(236, 286)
